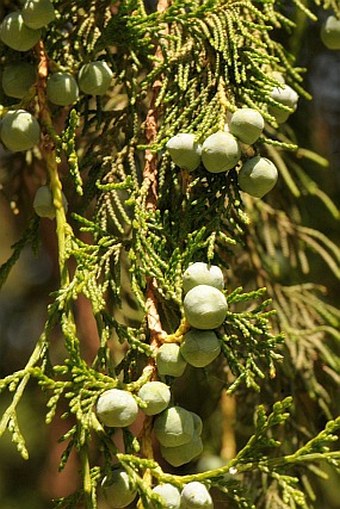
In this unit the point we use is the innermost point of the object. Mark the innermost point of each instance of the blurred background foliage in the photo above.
(23, 299)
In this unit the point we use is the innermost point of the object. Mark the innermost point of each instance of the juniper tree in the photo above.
(111, 84)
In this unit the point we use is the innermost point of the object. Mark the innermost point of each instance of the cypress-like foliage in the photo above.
(137, 221)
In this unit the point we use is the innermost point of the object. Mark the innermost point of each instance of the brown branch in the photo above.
(47, 145)
(150, 174)
(157, 334)
(150, 168)
(150, 177)
(150, 171)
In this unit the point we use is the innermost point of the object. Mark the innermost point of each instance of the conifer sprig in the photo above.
(183, 68)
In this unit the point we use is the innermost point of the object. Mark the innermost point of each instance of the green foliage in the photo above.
(138, 221)
(254, 458)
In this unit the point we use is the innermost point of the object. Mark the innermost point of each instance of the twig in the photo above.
(150, 174)
(50, 156)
